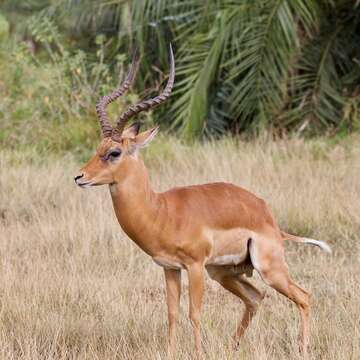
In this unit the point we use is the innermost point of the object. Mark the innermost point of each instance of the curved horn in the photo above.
(106, 127)
(147, 104)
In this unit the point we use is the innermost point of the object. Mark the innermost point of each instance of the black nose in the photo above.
(78, 177)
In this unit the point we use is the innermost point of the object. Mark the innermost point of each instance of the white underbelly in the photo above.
(167, 263)
(233, 259)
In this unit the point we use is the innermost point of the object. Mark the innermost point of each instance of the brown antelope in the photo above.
(217, 227)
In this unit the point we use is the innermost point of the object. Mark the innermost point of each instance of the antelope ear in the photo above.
(131, 131)
(145, 137)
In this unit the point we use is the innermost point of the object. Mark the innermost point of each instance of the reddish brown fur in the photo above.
(195, 228)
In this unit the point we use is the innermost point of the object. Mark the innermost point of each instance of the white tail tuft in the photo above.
(321, 244)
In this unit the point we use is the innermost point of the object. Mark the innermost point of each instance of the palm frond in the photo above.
(241, 65)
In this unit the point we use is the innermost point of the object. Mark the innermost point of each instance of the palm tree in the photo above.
(247, 65)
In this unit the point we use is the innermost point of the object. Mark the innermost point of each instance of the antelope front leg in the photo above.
(173, 291)
(196, 292)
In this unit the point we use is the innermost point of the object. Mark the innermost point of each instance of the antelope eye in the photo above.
(115, 154)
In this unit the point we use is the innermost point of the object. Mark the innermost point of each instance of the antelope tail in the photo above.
(321, 244)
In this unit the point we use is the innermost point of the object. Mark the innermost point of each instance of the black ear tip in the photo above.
(136, 127)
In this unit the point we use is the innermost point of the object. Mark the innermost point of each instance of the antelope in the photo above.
(218, 228)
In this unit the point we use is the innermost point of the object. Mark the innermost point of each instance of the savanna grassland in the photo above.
(73, 286)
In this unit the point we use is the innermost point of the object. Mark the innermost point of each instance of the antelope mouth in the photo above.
(85, 184)
(88, 184)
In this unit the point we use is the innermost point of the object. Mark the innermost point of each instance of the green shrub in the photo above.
(48, 99)
(4, 28)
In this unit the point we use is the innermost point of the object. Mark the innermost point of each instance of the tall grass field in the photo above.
(73, 286)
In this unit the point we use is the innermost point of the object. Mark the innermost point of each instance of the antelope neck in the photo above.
(137, 207)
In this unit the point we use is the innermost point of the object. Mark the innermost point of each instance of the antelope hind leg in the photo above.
(271, 265)
(243, 289)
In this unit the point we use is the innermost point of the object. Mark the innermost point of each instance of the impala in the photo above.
(218, 227)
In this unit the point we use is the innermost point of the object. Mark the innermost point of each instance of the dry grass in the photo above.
(73, 286)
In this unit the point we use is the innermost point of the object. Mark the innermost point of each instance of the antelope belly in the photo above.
(167, 263)
(227, 260)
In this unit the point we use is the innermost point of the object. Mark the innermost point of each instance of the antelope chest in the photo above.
(167, 263)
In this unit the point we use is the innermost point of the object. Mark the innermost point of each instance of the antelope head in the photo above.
(119, 145)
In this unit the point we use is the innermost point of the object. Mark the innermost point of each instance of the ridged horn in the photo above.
(105, 125)
(146, 104)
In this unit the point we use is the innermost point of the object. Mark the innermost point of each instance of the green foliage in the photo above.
(245, 65)
(4, 28)
(242, 66)
(48, 101)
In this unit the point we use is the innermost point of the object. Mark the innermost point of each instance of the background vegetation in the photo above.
(242, 66)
